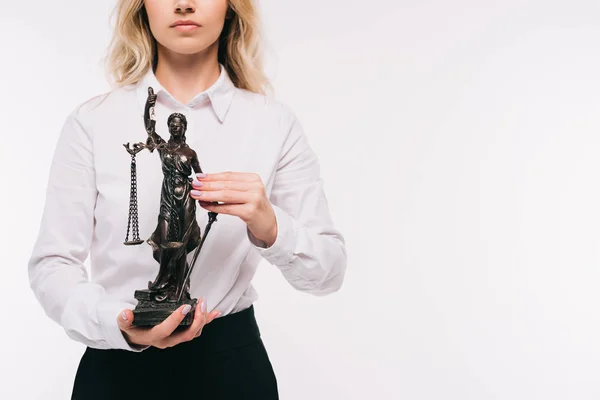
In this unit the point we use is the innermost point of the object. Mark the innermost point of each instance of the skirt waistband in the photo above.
(224, 333)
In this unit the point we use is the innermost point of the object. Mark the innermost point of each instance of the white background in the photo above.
(460, 147)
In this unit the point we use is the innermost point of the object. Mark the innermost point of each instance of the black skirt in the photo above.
(227, 361)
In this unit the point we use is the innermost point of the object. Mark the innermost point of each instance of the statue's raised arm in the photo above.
(154, 140)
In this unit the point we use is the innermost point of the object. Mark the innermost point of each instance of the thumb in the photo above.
(125, 319)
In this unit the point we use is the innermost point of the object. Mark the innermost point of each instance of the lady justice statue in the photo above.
(177, 232)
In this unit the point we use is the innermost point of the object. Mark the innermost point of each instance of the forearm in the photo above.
(150, 130)
(82, 308)
(57, 274)
(312, 260)
(308, 250)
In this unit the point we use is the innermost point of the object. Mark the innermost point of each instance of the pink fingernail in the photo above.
(201, 175)
(124, 316)
(195, 192)
(203, 306)
(197, 184)
(186, 309)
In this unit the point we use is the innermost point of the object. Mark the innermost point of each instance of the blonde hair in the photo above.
(132, 50)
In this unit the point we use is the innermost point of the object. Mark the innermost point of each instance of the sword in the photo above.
(212, 217)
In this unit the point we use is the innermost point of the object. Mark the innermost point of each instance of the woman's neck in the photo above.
(186, 75)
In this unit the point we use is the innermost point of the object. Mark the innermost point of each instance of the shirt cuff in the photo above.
(281, 252)
(108, 312)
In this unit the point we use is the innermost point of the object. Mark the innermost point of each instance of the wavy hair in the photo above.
(133, 50)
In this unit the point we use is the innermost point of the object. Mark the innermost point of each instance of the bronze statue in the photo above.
(177, 232)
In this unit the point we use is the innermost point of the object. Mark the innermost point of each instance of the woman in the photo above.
(203, 60)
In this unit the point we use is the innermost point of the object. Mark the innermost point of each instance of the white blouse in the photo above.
(87, 206)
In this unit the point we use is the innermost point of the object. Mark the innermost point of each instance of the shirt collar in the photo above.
(219, 94)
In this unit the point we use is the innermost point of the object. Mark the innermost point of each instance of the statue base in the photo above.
(150, 312)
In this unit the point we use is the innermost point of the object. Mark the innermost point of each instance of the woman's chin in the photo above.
(188, 46)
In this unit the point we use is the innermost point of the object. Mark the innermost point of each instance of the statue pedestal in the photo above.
(150, 312)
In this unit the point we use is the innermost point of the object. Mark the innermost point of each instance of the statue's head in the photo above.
(177, 125)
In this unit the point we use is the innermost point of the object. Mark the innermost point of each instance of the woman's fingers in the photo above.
(240, 186)
(125, 319)
(166, 328)
(196, 327)
(162, 335)
(212, 315)
(231, 176)
(189, 333)
(209, 318)
(227, 196)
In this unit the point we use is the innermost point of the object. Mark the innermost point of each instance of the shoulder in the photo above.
(190, 151)
(101, 106)
(267, 107)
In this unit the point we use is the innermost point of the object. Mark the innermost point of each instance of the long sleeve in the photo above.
(57, 274)
(308, 250)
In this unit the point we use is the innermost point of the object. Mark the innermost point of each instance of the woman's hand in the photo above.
(162, 335)
(243, 195)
